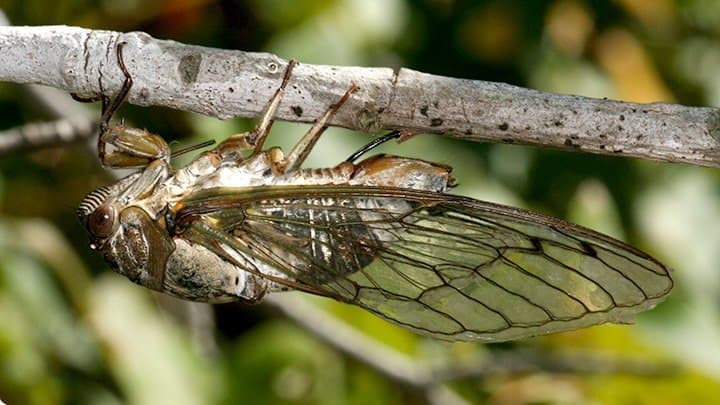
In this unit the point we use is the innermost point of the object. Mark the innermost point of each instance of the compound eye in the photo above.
(102, 221)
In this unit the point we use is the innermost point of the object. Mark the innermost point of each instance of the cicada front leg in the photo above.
(120, 146)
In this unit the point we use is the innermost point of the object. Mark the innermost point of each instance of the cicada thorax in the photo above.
(340, 235)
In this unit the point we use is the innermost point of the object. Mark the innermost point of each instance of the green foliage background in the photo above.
(72, 332)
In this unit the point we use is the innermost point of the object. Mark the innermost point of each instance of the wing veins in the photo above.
(522, 270)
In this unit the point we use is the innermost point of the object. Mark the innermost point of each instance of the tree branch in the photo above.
(45, 134)
(224, 84)
(422, 376)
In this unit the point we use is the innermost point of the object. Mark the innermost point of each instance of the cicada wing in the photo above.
(444, 266)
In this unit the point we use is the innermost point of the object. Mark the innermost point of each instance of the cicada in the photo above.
(241, 221)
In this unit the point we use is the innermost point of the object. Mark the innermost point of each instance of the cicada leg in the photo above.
(132, 147)
(302, 149)
(109, 107)
(256, 138)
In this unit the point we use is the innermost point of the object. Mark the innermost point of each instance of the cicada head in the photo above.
(132, 242)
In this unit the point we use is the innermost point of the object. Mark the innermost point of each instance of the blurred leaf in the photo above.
(42, 334)
(677, 389)
(277, 363)
(152, 358)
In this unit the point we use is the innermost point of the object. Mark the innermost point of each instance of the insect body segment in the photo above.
(381, 234)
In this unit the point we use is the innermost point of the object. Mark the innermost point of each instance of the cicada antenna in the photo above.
(192, 148)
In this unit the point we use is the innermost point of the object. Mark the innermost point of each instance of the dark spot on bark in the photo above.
(436, 122)
(504, 126)
(557, 123)
(189, 67)
(602, 136)
(508, 140)
(468, 131)
(231, 90)
(622, 117)
(424, 110)
(620, 128)
(435, 104)
(568, 142)
(297, 110)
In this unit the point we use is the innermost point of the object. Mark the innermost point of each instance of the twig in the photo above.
(225, 84)
(520, 361)
(355, 344)
(359, 346)
(44, 134)
(419, 375)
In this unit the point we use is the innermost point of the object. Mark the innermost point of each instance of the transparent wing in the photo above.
(445, 266)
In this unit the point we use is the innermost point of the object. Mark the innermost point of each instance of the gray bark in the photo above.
(225, 84)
